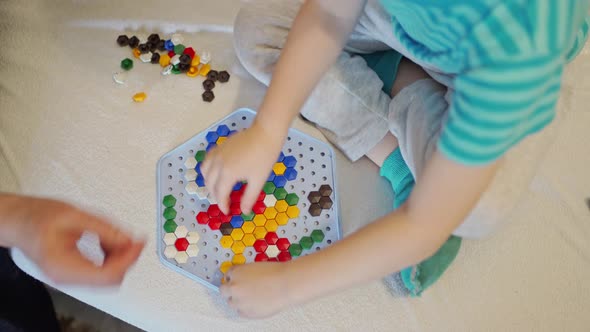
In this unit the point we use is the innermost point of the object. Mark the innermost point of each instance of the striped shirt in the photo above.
(506, 57)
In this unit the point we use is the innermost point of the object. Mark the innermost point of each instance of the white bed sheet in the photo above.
(67, 131)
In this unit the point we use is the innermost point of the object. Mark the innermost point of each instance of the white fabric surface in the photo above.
(68, 131)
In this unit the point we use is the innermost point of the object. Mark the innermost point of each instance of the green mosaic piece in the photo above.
(248, 217)
(169, 201)
(175, 70)
(292, 199)
(169, 213)
(280, 193)
(200, 156)
(317, 235)
(269, 188)
(178, 49)
(295, 249)
(306, 242)
(170, 226)
(127, 64)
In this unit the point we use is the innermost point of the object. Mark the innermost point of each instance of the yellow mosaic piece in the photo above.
(225, 267)
(196, 61)
(259, 220)
(164, 60)
(139, 97)
(239, 259)
(279, 168)
(270, 212)
(192, 72)
(226, 241)
(248, 227)
(249, 240)
(282, 218)
(221, 139)
(260, 232)
(237, 234)
(271, 225)
(204, 70)
(281, 205)
(293, 211)
(238, 247)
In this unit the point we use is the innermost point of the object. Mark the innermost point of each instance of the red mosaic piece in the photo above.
(189, 51)
(260, 246)
(261, 196)
(202, 218)
(261, 257)
(235, 209)
(284, 256)
(236, 196)
(214, 223)
(259, 207)
(283, 244)
(171, 54)
(214, 210)
(271, 238)
(181, 244)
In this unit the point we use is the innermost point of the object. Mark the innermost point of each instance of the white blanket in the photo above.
(67, 131)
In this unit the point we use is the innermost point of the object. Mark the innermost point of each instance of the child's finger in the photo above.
(222, 189)
(250, 195)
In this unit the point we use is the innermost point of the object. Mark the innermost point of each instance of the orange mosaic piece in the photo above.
(136, 53)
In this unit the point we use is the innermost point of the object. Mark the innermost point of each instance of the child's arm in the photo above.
(315, 40)
(445, 194)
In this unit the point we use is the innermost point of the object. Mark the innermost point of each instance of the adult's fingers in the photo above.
(73, 268)
(118, 262)
(111, 237)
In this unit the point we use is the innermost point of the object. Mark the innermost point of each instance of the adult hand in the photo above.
(47, 232)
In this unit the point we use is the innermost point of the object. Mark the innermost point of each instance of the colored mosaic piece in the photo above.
(169, 201)
(139, 97)
(126, 64)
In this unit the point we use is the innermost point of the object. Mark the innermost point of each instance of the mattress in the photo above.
(68, 132)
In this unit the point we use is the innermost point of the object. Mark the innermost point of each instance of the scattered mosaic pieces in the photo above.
(176, 58)
(201, 241)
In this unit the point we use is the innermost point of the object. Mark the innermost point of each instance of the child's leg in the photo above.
(407, 73)
(417, 114)
(347, 105)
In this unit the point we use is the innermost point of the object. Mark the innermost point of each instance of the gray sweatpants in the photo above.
(351, 110)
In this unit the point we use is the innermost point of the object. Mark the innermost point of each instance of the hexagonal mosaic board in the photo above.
(296, 212)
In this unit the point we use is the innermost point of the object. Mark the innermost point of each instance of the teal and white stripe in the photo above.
(507, 58)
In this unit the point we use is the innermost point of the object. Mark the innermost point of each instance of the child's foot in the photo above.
(397, 172)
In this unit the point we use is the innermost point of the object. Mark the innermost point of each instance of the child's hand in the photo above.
(257, 290)
(248, 155)
(47, 231)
